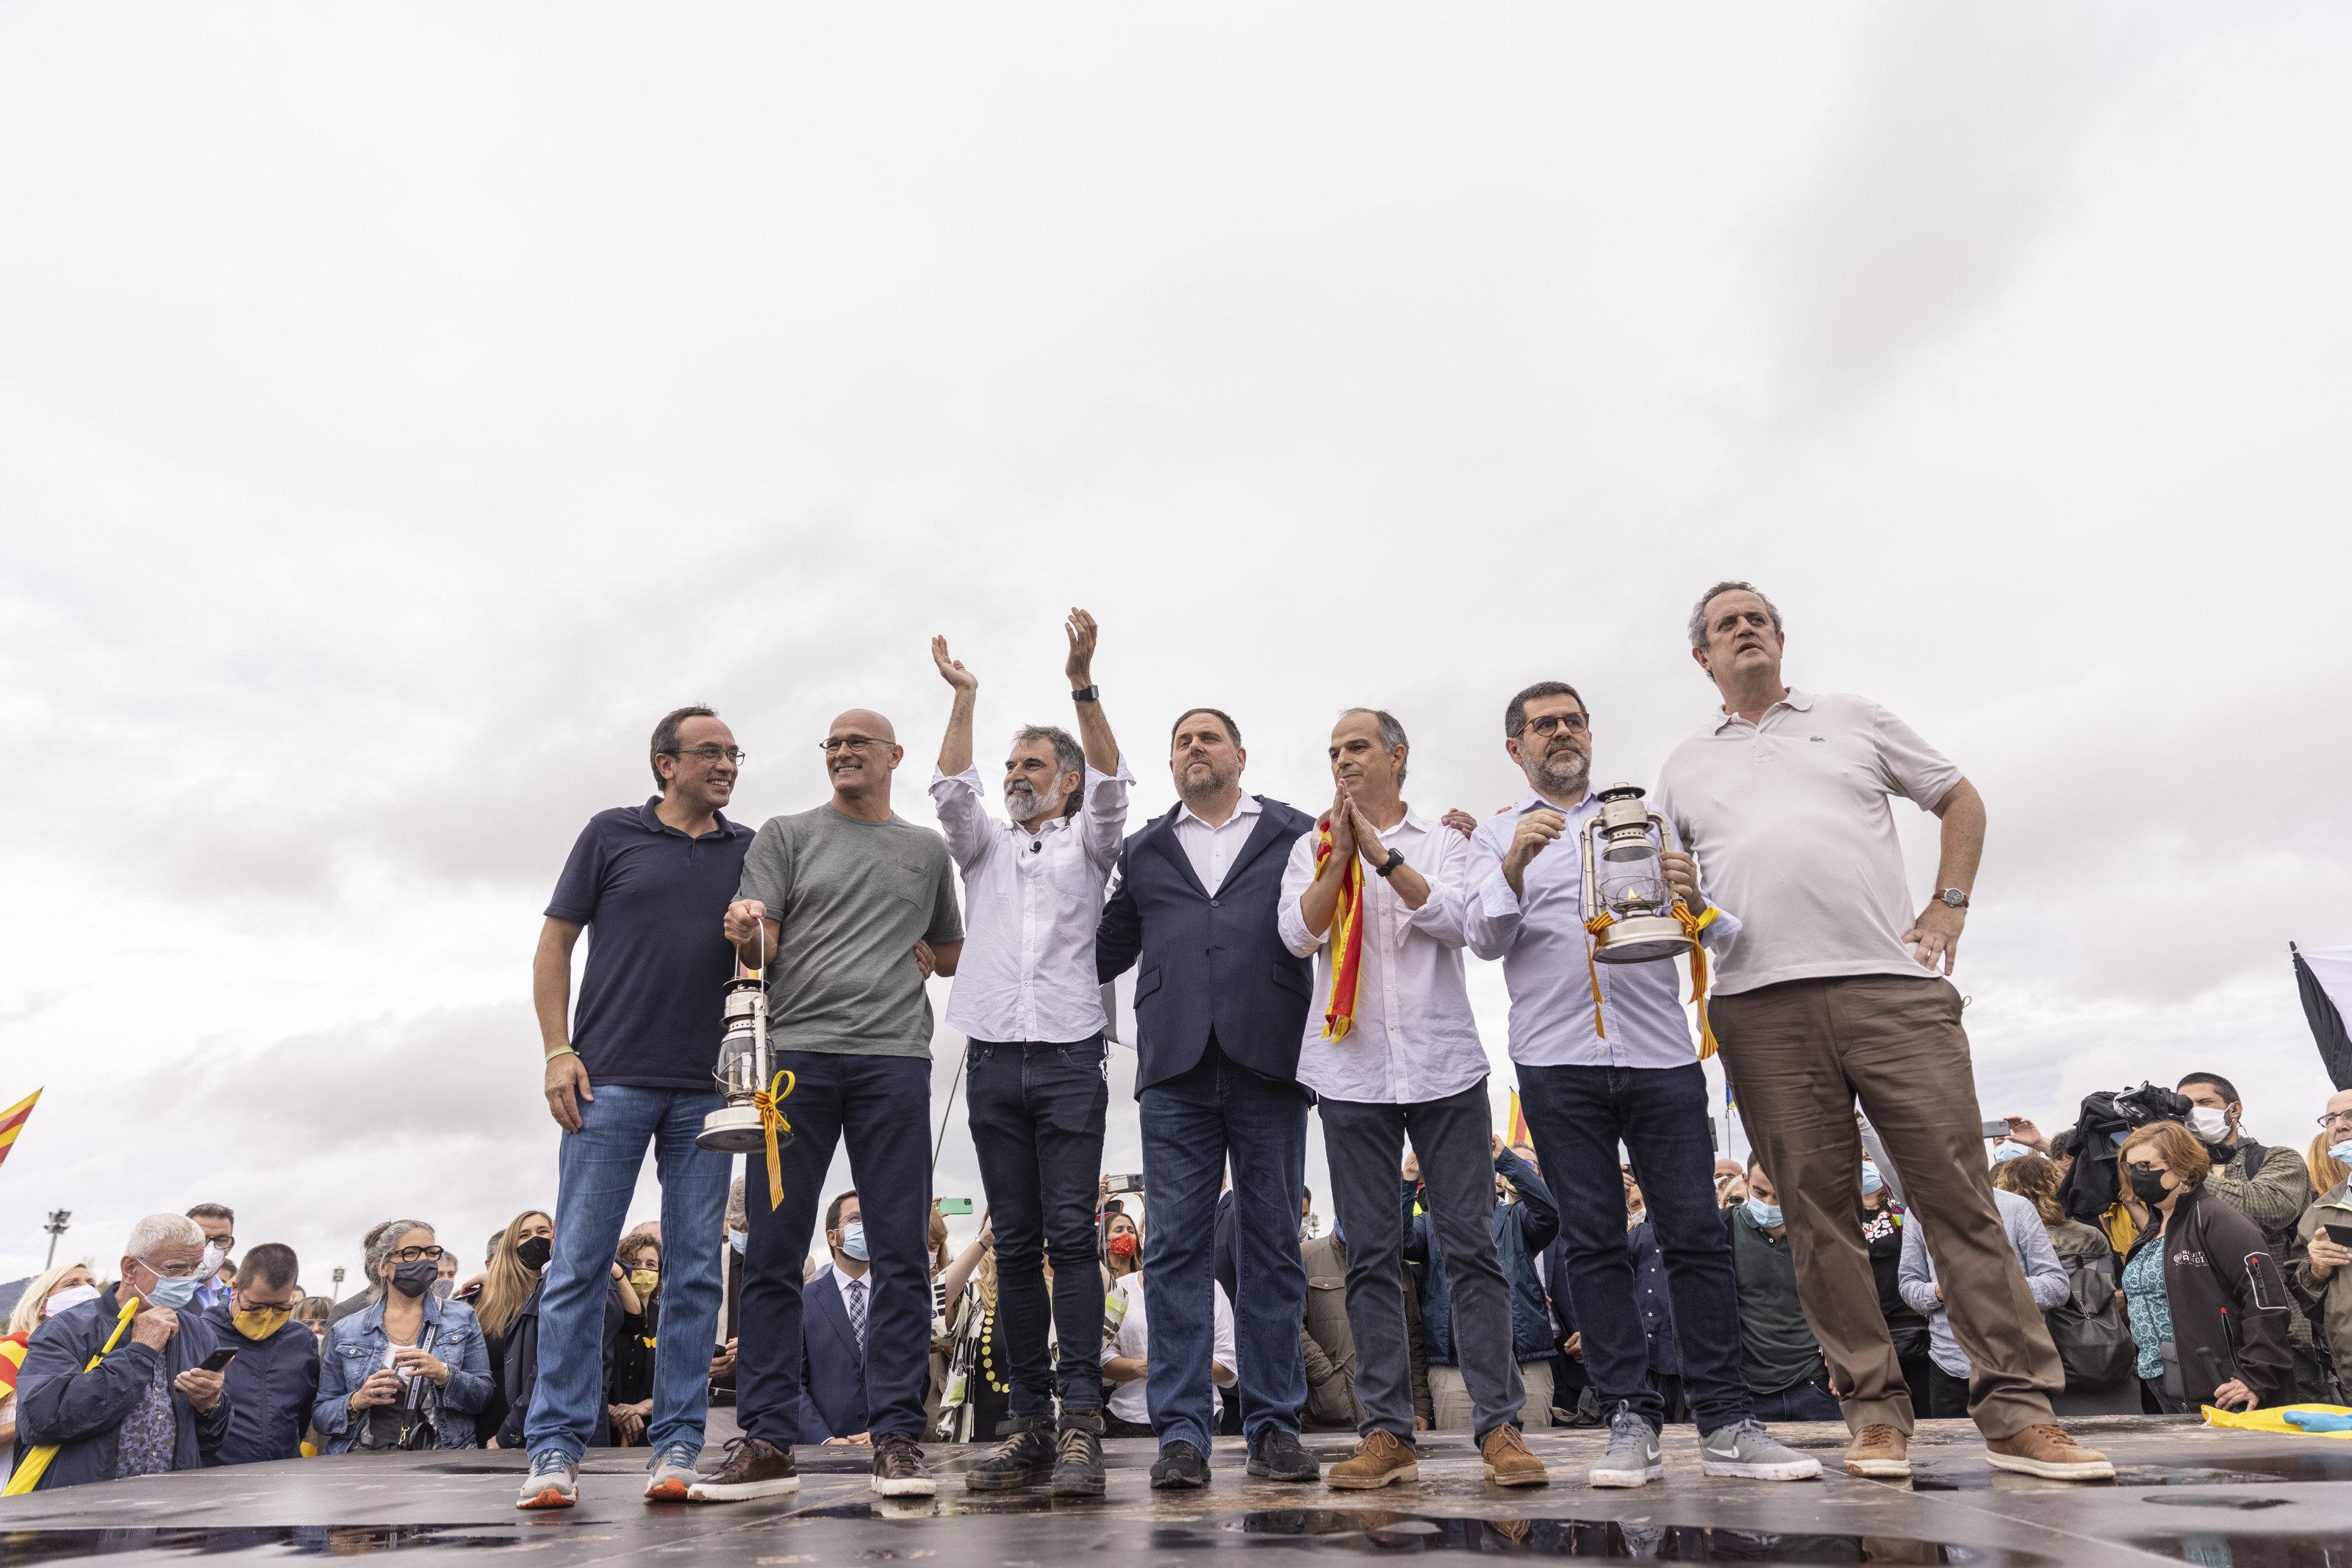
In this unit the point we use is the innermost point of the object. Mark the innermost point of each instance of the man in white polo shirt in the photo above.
(1834, 990)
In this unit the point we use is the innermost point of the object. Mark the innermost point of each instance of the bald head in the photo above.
(861, 752)
(864, 721)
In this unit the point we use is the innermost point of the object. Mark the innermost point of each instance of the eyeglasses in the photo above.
(833, 743)
(707, 753)
(1550, 723)
(174, 1271)
(2147, 1168)
(418, 1254)
(2336, 1118)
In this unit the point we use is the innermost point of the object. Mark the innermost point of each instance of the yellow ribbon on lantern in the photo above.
(1592, 928)
(1692, 925)
(772, 1119)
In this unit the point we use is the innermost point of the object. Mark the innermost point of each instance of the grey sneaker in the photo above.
(1633, 1459)
(1746, 1449)
(672, 1472)
(553, 1481)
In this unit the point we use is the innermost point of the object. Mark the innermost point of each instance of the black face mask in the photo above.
(535, 1252)
(415, 1279)
(2148, 1186)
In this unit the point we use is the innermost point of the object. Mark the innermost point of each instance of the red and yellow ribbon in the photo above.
(1692, 925)
(1346, 936)
(770, 1101)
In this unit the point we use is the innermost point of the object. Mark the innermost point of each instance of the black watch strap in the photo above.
(1086, 695)
(1396, 859)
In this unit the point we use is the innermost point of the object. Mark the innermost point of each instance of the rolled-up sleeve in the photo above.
(1296, 877)
(1103, 818)
(1490, 910)
(963, 817)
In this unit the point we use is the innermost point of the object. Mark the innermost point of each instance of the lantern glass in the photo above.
(1633, 878)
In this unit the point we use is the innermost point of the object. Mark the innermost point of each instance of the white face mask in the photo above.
(68, 1298)
(2209, 1124)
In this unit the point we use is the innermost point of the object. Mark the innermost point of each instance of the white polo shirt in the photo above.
(1792, 824)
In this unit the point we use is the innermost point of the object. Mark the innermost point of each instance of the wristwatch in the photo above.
(1396, 859)
(1954, 897)
(1086, 695)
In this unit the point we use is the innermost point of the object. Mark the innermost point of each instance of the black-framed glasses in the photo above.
(1551, 724)
(2147, 1169)
(707, 753)
(418, 1254)
(2336, 1118)
(859, 743)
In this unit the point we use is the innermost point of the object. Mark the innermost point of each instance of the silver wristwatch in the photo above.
(1954, 897)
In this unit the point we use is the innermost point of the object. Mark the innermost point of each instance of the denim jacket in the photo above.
(1522, 1230)
(355, 1348)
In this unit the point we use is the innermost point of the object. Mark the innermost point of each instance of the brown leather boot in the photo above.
(1879, 1452)
(1509, 1463)
(2048, 1452)
(1382, 1456)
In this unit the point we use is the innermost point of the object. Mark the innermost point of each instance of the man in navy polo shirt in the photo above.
(634, 1066)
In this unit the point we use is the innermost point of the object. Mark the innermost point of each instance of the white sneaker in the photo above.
(1634, 1457)
(1747, 1450)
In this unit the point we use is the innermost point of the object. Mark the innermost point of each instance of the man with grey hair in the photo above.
(1027, 997)
(113, 1403)
(1833, 991)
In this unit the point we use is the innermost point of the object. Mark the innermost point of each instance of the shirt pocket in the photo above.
(905, 878)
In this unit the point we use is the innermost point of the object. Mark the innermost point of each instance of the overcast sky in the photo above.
(402, 407)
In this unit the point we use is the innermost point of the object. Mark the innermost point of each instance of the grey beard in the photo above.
(1192, 791)
(1020, 804)
(1563, 777)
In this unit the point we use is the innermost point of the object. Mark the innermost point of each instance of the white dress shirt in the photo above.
(1130, 1401)
(1541, 940)
(865, 1284)
(1211, 849)
(1415, 1039)
(1031, 901)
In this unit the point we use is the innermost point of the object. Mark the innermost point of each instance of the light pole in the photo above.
(59, 1218)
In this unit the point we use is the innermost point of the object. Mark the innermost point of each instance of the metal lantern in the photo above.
(1625, 880)
(745, 1069)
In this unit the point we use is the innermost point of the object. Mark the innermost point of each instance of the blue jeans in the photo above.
(596, 1175)
(881, 1107)
(1038, 1111)
(1798, 1402)
(1577, 1116)
(1191, 1124)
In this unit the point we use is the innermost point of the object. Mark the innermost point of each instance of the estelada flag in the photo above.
(12, 1121)
(1519, 1133)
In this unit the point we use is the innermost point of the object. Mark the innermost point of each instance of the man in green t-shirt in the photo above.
(847, 909)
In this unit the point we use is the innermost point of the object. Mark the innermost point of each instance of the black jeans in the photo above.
(1947, 1396)
(1577, 1116)
(1038, 1111)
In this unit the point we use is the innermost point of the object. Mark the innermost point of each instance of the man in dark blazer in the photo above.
(833, 1370)
(1220, 1005)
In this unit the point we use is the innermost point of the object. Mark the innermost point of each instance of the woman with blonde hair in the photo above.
(2327, 1172)
(47, 1293)
(507, 1280)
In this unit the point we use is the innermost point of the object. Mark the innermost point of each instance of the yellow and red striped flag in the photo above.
(1519, 1133)
(12, 1121)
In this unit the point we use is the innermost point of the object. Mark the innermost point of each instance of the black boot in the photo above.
(1077, 1460)
(1025, 1459)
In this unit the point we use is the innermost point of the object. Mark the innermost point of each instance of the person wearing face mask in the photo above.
(147, 1406)
(2208, 1305)
(1883, 1221)
(410, 1371)
(44, 1296)
(1779, 1359)
(273, 1381)
(628, 1397)
(507, 1283)
(2271, 1186)
(2322, 1277)
(535, 1248)
(836, 1312)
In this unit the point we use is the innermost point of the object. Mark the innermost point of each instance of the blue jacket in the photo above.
(272, 1387)
(1652, 1299)
(82, 1412)
(1207, 966)
(1522, 1230)
(356, 1346)
(833, 1369)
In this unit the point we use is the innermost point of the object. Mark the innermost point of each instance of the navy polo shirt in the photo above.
(653, 900)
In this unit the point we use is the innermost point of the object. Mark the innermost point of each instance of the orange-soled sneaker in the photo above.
(2047, 1451)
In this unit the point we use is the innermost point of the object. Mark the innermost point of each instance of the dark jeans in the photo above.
(1577, 1116)
(881, 1107)
(1037, 1113)
(1947, 1396)
(1798, 1402)
(1191, 1124)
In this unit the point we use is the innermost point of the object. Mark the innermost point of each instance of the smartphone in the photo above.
(217, 1360)
(2339, 1234)
(1996, 1128)
(1118, 1183)
(955, 1205)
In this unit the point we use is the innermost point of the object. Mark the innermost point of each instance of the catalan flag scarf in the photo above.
(1346, 936)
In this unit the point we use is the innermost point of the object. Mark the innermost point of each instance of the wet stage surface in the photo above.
(2184, 1493)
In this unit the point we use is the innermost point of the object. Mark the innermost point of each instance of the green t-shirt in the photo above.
(853, 898)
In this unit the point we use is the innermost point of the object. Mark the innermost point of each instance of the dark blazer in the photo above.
(272, 1387)
(1208, 965)
(833, 1367)
(82, 1412)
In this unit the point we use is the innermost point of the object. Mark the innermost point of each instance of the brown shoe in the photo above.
(899, 1468)
(755, 1468)
(1509, 1463)
(1381, 1458)
(1879, 1452)
(2048, 1452)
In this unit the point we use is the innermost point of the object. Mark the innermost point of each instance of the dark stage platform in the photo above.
(2223, 1500)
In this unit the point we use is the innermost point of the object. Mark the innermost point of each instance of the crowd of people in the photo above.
(1872, 1262)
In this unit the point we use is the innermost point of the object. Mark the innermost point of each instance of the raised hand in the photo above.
(1081, 631)
(1343, 832)
(951, 670)
(1536, 832)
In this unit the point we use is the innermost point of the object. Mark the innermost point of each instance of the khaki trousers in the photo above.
(1800, 1054)
(1455, 1411)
